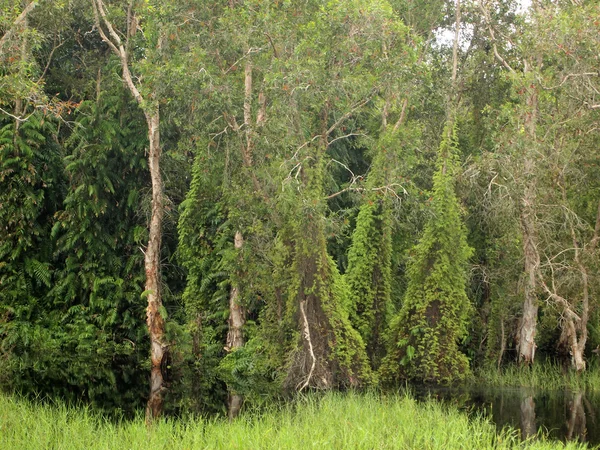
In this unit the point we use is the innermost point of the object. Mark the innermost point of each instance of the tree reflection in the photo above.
(577, 426)
(528, 427)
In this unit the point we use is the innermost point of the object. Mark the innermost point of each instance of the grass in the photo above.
(331, 421)
(544, 375)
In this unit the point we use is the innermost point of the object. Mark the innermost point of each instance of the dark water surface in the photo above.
(563, 415)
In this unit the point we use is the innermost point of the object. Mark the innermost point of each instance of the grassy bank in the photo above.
(544, 375)
(334, 421)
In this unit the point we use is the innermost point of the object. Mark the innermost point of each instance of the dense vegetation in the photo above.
(242, 200)
(332, 421)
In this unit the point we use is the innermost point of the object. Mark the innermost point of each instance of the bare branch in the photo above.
(349, 113)
(272, 45)
(567, 77)
(559, 300)
(402, 115)
(344, 137)
(17, 118)
(493, 37)
(115, 43)
(49, 61)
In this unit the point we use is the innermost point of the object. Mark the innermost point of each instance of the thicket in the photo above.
(324, 226)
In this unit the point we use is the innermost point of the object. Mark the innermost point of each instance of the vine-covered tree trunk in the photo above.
(329, 352)
(424, 336)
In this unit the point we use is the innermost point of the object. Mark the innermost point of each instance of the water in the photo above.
(562, 415)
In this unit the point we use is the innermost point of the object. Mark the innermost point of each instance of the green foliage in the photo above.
(369, 273)
(333, 179)
(424, 336)
(368, 421)
(547, 375)
(316, 297)
(204, 240)
(82, 336)
(31, 186)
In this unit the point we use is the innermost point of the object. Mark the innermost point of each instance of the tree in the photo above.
(424, 336)
(150, 107)
(526, 179)
(541, 159)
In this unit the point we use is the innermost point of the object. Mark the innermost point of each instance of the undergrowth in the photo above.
(329, 421)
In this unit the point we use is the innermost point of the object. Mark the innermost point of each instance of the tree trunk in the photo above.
(577, 359)
(528, 326)
(235, 336)
(154, 319)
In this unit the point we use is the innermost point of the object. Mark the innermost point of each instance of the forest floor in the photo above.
(330, 421)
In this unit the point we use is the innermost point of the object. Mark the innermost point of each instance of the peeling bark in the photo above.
(308, 341)
(154, 319)
(528, 326)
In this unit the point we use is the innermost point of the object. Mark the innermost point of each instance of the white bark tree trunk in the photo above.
(528, 325)
(154, 318)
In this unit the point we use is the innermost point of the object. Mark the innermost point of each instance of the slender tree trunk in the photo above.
(455, 48)
(577, 345)
(235, 335)
(19, 106)
(237, 314)
(579, 329)
(154, 319)
(528, 325)
(502, 343)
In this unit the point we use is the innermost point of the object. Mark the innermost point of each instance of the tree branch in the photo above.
(117, 47)
(493, 37)
(20, 18)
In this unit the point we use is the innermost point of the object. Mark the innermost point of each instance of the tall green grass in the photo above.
(542, 375)
(332, 421)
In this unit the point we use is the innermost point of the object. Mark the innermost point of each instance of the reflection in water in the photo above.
(563, 415)
(528, 427)
(577, 421)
